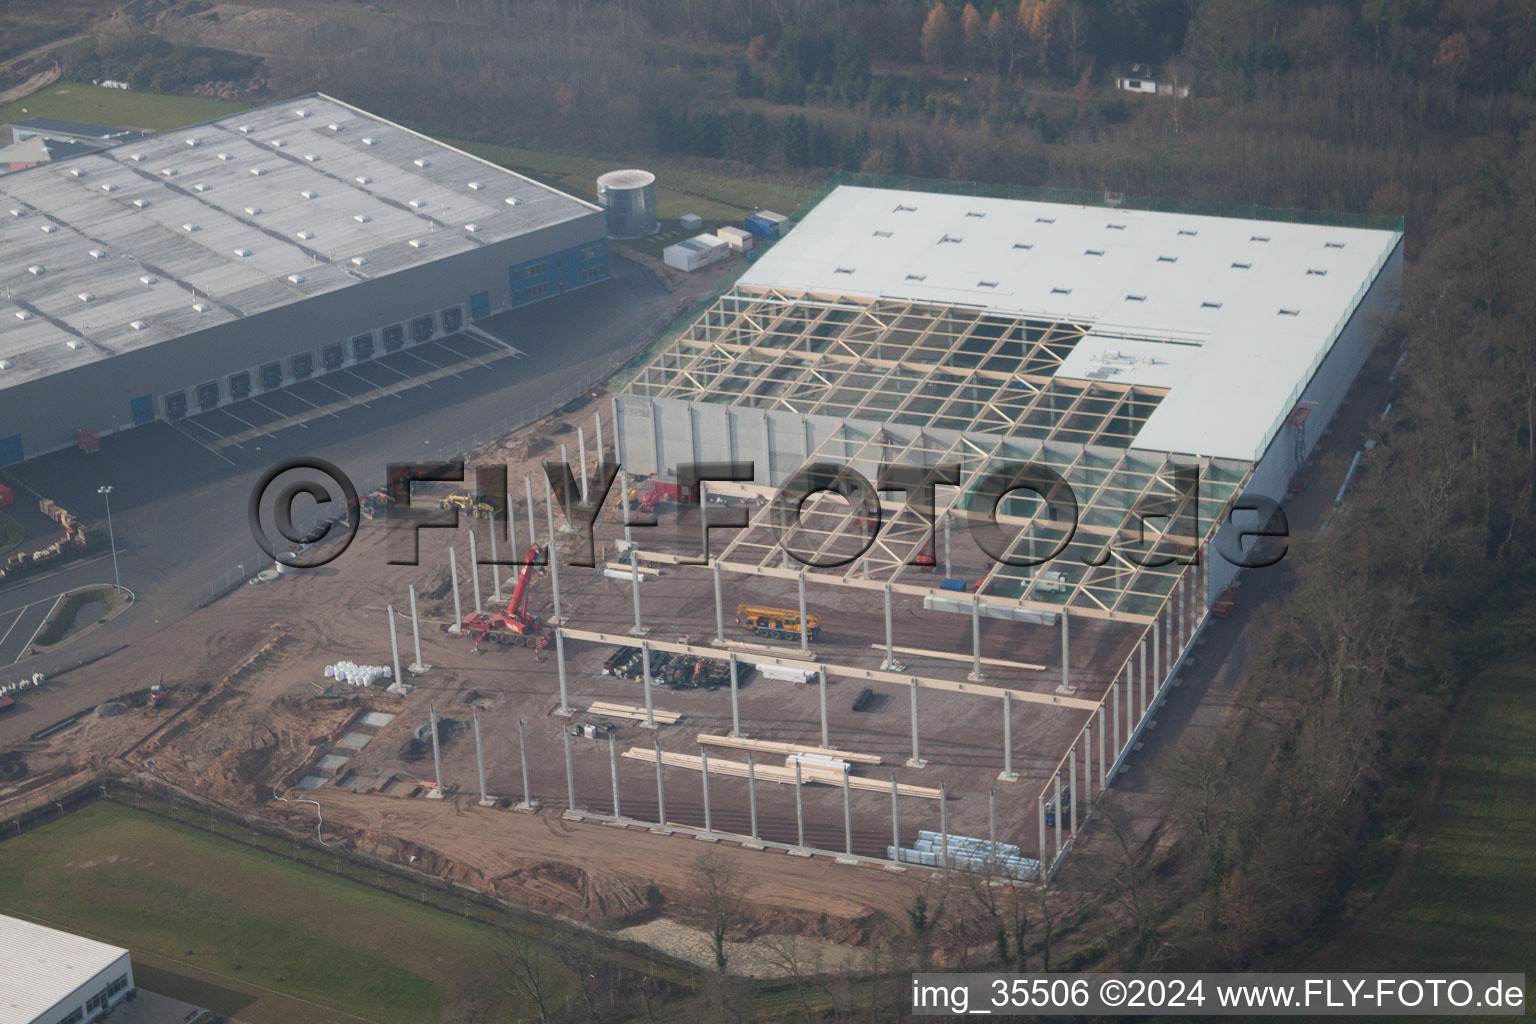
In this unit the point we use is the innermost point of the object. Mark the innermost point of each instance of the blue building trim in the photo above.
(558, 272)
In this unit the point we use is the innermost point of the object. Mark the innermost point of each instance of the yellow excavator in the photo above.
(477, 505)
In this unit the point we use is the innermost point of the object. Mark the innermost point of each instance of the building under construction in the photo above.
(1133, 352)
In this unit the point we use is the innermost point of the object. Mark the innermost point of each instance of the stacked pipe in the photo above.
(967, 853)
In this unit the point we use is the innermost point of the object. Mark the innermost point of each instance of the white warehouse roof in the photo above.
(1233, 315)
(43, 965)
(238, 215)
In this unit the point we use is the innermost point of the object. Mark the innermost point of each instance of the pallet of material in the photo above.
(774, 773)
(776, 747)
(628, 571)
(608, 708)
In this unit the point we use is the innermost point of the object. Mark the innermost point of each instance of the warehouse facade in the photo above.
(56, 977)
(173, 274)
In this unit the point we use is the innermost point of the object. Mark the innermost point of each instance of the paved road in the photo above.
(178, 503)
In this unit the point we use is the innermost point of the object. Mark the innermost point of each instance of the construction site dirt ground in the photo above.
(247, 720)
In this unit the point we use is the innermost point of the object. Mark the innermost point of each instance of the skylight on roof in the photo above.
(1333, 245)
(1045, 220)
(1186, 231)
(882, 234)
(1258, 238)
(843, 270)
(904, 209)
(1210, 305)
(1093, 252)
(1290, 312)
(952, 239)
(917, 277)
(986, 284)
(1242, 266)
(1167, 259)
(974, 213)
(1114, 227)
(1314, 272)
(1061, 291)
(1135, 298)
(1023, 245)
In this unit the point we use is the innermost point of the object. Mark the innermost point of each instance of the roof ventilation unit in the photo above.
(311, 157)
(974, 213)
(1242, 266)
(1135, 298)
(986, 284)
(225, 156)
(257, 172)
(252, 211)
(363, 179)
(512, 200)
(169, 172)
(136, 157)
(305, 235)
(149, 279)
(242, 252)
(22, 314)
(422, 162)
(359, 261)
(191, 142)
(295, 278)
(301, 112)
(18, 213)
(142, 204)
(200, 307)
(1045, 220)
(75, 172)
(1114, 227)
(1061, 291)
(199, 187)
(75, 344)
(109, 187)
(471, 228)
(361, 218)
(189, 227)
(35, 270)
(97, 254)
(333, 126)
(137, 325)
(475, 186)
(369, 141)
(5, 364)
(416, 243)
(278, 143)
(49, 229)
(417, 204)
(308, 194)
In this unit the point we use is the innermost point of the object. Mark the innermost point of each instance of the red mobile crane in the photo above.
(514, 624)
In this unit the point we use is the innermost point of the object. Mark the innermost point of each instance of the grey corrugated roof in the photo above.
(178, 207)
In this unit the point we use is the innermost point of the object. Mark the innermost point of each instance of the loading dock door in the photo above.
(143, 410)
(10, 449)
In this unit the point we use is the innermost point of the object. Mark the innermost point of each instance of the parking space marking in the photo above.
(274, 412)
(19, 613)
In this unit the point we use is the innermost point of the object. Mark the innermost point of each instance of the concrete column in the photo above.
(1066, 651)
(394, 640)
(709, 822)
(645, 661)
(613, 771)
(752, 791)
(581, 447)
(826, 735)
(1088, 763)
(948, 571)
(624, 506)
(735, 701)
(975, 675)
(533, 532)
(1183, 613)
(1008, 774)
(419, 665)
(565, 704)
(661, 789)
(634, 585)
(453, 574)
(799, 808)
(1144, 668)
(570, 771)
(1059, 816)
(1103, 764)
(1168, 645)
(847, 814)
(522, 750)
(895, 822)
(1076, 794)
(485, 797)
(1114, 710)
(597, 435)
(805, 633)
(719, 609)
(437, 751)
(1040, 817)
(495, 563)
(944, 824)
(916, 760)
(890, 634)
(554, 558)
(474, 571)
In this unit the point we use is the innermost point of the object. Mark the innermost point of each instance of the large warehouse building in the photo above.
(172, 274)
(1164, 364)
(54, 977)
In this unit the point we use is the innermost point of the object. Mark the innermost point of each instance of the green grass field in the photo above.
(75, 101)
(1471, 905)
(249, 933)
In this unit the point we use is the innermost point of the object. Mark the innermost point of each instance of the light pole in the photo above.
(106, 495)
